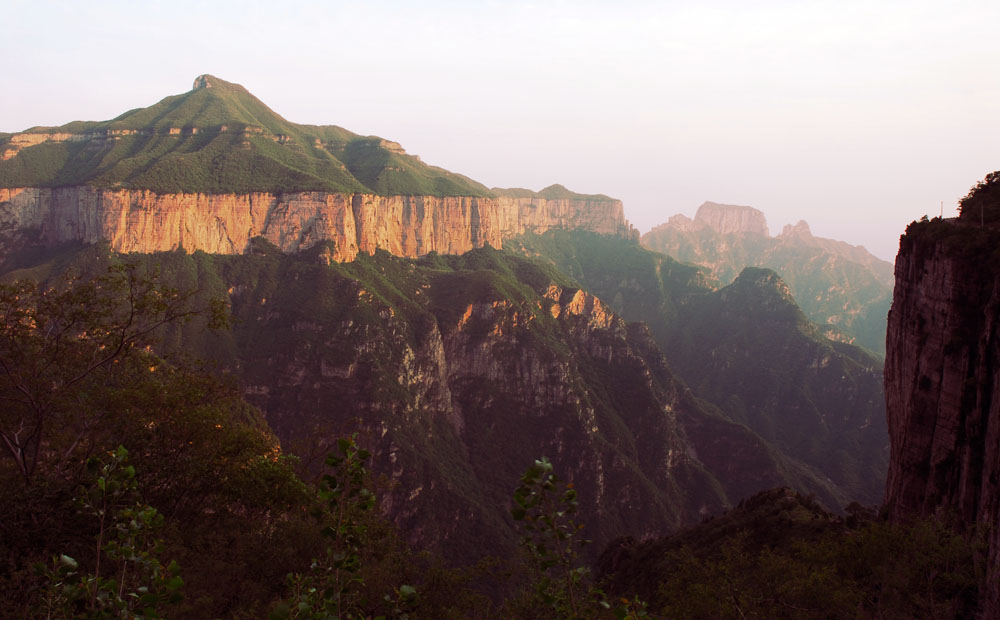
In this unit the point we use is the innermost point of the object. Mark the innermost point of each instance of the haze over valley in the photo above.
(636, 350)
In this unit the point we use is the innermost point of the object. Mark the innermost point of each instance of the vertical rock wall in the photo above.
(142, 221)
(941, 381)
(727, 219)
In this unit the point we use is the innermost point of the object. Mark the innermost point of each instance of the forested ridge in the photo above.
(139, 486)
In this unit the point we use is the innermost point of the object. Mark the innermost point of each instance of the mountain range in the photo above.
(461, 332)
(842, 287)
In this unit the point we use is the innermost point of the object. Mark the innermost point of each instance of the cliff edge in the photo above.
(728, 219)
(145, 221)
(212, 168)
(941, 380)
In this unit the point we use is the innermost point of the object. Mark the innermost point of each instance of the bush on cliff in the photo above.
(982, 203)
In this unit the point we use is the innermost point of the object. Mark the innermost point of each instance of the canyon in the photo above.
(457, 371)
(461, 332)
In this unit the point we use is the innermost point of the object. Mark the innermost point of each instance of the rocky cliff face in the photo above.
(748, 349)
(458, 372)
(726, 219)
(143, 221)
(941, 380)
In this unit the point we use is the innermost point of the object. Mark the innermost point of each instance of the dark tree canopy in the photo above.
(982, 203)
(61, 346)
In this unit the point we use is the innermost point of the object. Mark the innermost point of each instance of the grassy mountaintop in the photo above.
(219, 138)
(211, 103)
(552, 192)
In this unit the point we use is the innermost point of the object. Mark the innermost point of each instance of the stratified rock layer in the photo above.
(941, 381)
(144, 221)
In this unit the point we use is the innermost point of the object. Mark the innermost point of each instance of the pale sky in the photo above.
(855, 116)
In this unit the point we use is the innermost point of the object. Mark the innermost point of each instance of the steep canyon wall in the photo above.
(143, 221)
(942, 381)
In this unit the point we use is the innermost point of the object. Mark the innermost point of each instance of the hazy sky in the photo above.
(855, 116)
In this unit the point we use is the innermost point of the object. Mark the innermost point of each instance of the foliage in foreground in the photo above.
(137, 584)
(64, 348)
(332, 589)
(559, 587)
(982, 204)
(205, 483)
(206, 486)
(780, 555)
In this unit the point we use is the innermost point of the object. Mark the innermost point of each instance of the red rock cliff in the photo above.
(142, 221)
(941, 381)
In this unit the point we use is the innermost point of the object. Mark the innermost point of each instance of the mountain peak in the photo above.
(203, 81)
(761, 292)
(764, 278)
(212, 103)
(206, 81)
(800, 230)
(218, 138)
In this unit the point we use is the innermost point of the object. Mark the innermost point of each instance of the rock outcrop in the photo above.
(942, 381)
(800, 230)
(726, 219)
(144, 221)
(801, 234)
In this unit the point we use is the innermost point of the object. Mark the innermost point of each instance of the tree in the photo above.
(332, 589)
(61, 345)
(545, 506)
(982, 203)
(128, 578)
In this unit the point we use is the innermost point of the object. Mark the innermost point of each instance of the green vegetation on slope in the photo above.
(380, 316)
(457, 367)
(781, 555)
(832, 282)
(204, 460)
(750, 350)
(202, 496)
(221, 139)
(551, 192)
(982, 203)
(642, 285)
(746, 348)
